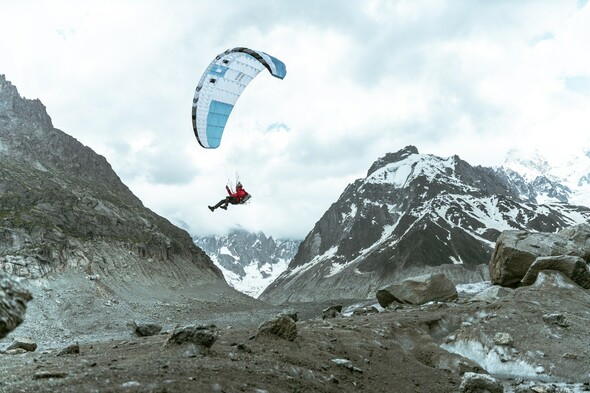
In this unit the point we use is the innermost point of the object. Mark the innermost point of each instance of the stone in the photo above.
(556, 319)
(282, 327)
(290, 313)
(480, 383)
(365, 311)
(144, 329)
(332, 312)
(419, 290)
(502, 338)
(573, 267)
(13, 303)
(25, 343)
(197, 334)
(517, 250)
(70, 349)
(491, 294)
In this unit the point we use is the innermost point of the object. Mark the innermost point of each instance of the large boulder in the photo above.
(516, 250)
(573, 267)
(418, 290)
(480, 383)
(13, 304)
(198, 334)
(281, 327)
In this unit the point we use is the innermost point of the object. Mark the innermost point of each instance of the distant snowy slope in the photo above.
(543, 181)
(249, 261)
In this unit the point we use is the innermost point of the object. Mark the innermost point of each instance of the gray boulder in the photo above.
(13, 304)
(572, 266)
(332, 312)
(70, 349)
(25, 343)
(281, 327)
(516, 250)
(480, 383)
(201, 335)
(144, 329)
(418, 290)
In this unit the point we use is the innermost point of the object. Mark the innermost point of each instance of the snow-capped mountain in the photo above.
(413, 214)
(541, 181)
(249, 261)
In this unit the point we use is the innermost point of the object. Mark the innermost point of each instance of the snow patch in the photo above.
(401, 172)
(225, 251)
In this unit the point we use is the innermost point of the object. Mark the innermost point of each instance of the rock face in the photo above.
(516, 251)
(69, 225)
(13, 304)
(413, 214)
(249, 261)
(58, 195)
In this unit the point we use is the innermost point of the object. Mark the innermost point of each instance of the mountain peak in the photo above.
(413, 214)
(390, 158)
(528, 165)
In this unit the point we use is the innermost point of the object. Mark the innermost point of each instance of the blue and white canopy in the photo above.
(220, 86)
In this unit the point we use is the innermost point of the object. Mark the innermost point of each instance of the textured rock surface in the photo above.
(418, 290)
(573, 267)
(516, 251)
(13, 304)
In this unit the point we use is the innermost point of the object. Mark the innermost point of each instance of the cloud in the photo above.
(364, 78)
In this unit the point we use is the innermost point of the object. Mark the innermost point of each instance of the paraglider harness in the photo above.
(245, 199)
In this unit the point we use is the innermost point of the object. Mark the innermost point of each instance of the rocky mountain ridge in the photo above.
(413, 213)
(68, 224)
(249, 261)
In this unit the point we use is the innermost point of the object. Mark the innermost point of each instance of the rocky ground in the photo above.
(343, 354)
(397, 349)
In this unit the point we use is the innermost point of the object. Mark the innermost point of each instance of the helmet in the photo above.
(239, 184)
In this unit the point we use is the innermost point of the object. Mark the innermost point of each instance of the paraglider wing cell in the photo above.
(220, 87)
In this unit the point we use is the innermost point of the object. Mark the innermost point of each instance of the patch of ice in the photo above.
(494, 361)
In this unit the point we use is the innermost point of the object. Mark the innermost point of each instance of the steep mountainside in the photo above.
(413, 213)
(249, 261)
(66, 216)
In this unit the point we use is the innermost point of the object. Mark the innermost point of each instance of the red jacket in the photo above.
(238, 195)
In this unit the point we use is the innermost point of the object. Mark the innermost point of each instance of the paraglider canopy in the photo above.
(220, 87)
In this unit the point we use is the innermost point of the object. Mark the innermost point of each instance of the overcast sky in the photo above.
(364, 78)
